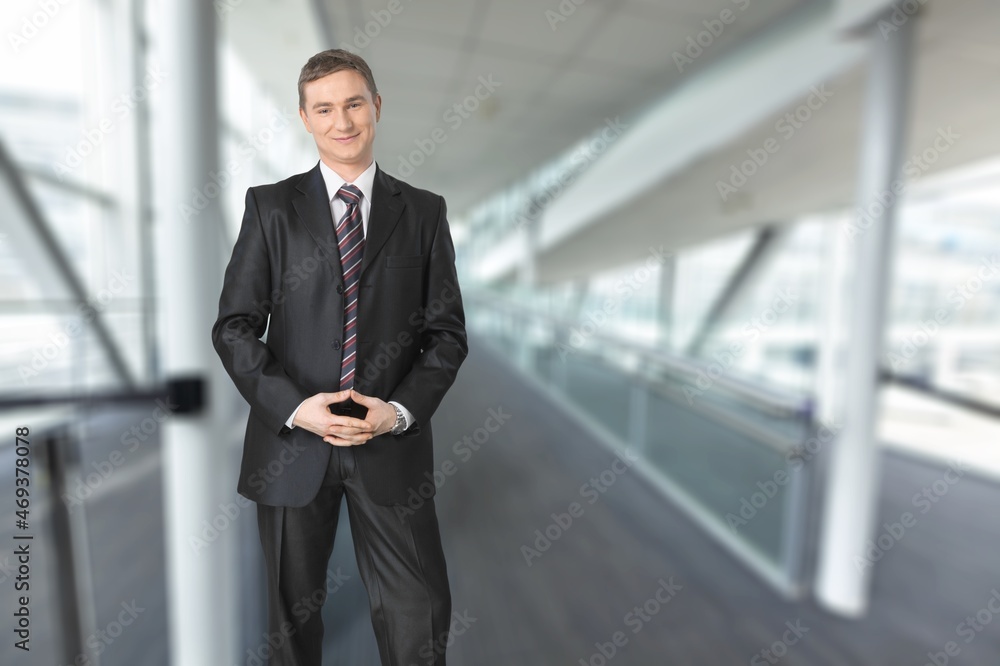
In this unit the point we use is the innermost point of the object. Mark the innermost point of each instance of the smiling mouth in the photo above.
(345, 139)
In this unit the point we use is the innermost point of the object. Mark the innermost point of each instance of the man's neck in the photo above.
(349, 172)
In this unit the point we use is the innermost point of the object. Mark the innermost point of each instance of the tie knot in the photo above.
(349, 194)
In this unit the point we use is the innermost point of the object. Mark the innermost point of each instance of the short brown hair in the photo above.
(330, 61)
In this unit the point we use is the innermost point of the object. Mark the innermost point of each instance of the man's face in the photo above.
(341, 115)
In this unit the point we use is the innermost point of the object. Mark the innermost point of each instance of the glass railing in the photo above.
(93, 522)
(739, 457)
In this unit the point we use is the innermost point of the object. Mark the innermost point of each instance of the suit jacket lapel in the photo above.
(313, 208)
(387, 206)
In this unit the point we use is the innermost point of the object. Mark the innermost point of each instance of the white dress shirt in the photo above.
(365, 182)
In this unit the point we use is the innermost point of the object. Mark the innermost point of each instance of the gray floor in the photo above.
(116, 492)
(579, 592)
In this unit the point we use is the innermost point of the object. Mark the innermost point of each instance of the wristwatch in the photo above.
(400, 424)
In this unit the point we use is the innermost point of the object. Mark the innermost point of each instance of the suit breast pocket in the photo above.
(405, 261)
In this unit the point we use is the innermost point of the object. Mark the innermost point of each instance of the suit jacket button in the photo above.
(340, 288)
(336, 344)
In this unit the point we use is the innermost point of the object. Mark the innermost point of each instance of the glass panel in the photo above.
(716, 452)
(771, 333)
(945, 316)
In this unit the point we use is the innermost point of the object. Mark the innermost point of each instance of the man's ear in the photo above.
(378, 106)
(305, 119)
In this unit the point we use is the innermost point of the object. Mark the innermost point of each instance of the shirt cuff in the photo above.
(406, 414)
(291, 418)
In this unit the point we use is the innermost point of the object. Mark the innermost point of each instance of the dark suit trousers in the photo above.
(399, 556)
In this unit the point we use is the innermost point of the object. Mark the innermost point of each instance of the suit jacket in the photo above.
(285, 276)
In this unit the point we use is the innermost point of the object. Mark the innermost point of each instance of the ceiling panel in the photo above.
(954, 87)
(525, 24)
(557, 85)
(633, 41)
(449, 18)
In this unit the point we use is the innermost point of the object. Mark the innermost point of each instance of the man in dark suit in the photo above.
(351, 272)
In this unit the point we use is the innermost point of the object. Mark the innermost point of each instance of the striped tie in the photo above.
(351, 241)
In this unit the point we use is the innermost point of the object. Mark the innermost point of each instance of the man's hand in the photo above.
(381, 415)
(314, 415)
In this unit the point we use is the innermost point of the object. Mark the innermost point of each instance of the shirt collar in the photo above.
(334, 181)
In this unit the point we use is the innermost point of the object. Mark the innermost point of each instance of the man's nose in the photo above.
(343, 121)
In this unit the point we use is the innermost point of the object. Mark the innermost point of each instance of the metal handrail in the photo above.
(9, 402)
(950, 397)
(754, 393)
(760, 395)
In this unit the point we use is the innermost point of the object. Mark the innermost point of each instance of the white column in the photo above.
(852, 492)
(526, 285)
(198, 476)
(665, 304)
(835, 296)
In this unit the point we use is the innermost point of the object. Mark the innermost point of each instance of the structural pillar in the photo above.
(527, 278)
(852, 492)
(665, 304)
(197, 468)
